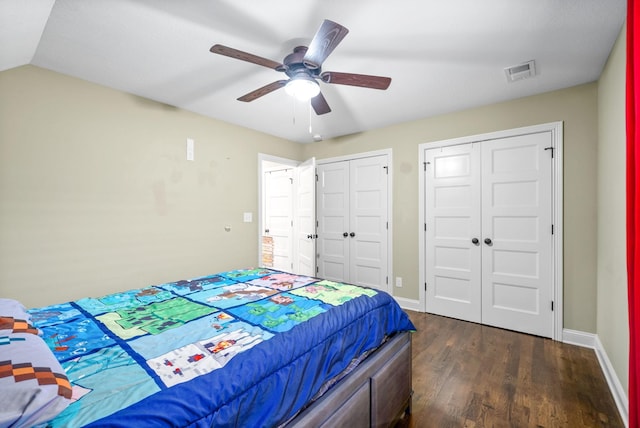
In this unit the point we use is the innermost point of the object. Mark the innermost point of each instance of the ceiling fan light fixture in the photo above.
(303, 88)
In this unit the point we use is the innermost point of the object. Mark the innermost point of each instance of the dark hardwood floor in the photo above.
(469, 375)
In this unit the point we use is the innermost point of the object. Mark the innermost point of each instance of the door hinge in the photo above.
(552, 306)
(317, 269)
(386, 280)
(386, 169)
(387, 225)
(316, 177)
(425, 227)
(552, 150)
(424, 165)
(425, 286)
(552, 229)
(291, 180)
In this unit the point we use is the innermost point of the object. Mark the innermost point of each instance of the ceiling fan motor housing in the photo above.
(296, 67)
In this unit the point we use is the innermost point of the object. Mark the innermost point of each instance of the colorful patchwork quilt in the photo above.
(247, 347)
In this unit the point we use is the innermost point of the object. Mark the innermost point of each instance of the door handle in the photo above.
(488, 241)
(475, 241)
(352, 234)
(345, 234)
(309, 236)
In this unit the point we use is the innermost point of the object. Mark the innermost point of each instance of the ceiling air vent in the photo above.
(520, 71)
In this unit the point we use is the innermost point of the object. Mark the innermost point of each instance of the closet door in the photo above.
(333, 197)
(452, 184)
(517, 233)
(368, 182)
(353, 221)
(489, 242)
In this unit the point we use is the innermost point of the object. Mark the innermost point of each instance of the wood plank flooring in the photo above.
(469, 375)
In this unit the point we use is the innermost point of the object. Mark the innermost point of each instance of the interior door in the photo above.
(278, 217)
(453, 256)
(517, 233)
(368, 230)
(305, 219)
(333, 221)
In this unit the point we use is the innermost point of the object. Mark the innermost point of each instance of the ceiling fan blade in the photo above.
(244, 56)
(324, 42)
(263, 91)
(366, 81)
(320, 105)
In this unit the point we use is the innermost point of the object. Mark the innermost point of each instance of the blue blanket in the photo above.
(248, 347)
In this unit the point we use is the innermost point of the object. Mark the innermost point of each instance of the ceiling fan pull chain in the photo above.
(294, 111)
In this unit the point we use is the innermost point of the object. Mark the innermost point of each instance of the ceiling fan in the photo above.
(304, 67)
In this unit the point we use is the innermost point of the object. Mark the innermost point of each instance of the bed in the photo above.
(248, 347)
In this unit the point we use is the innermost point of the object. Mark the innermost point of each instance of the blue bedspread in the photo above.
(241, 348)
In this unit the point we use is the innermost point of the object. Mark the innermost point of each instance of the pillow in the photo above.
(9, 325)
(14, 318)
(13, 308)
(34, 386)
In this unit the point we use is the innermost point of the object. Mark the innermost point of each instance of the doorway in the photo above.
(287, 215)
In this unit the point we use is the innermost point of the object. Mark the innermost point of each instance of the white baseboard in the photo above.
(408, 304)
(592, 341)
(619, 395)
(580, 338)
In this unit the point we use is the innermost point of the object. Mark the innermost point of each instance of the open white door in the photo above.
(304, 254)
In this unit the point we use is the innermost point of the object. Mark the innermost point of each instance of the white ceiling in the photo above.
(443, 56)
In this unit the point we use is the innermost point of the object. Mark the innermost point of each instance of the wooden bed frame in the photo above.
(376, 394)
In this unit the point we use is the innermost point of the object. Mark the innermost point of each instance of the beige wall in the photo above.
(613, 327)
(96, 194)
(576, 107)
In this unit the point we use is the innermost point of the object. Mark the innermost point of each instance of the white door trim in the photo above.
(556, 129)
(389, 154)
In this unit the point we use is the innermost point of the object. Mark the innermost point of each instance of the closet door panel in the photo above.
(333, 221)
(517, 215)
(453, 221)
(368, 221)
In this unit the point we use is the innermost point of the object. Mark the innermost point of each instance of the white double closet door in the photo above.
(489, 242)
(352, 218)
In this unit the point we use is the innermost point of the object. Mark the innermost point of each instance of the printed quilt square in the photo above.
(333, 293)
(232, 295)
(195, 359)
(280, 312)
(154, 318)
(283, 281)
(90, 377)
(124, 300)
(53, 315)
(75, 338)
(244, 275)
(188, 286)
